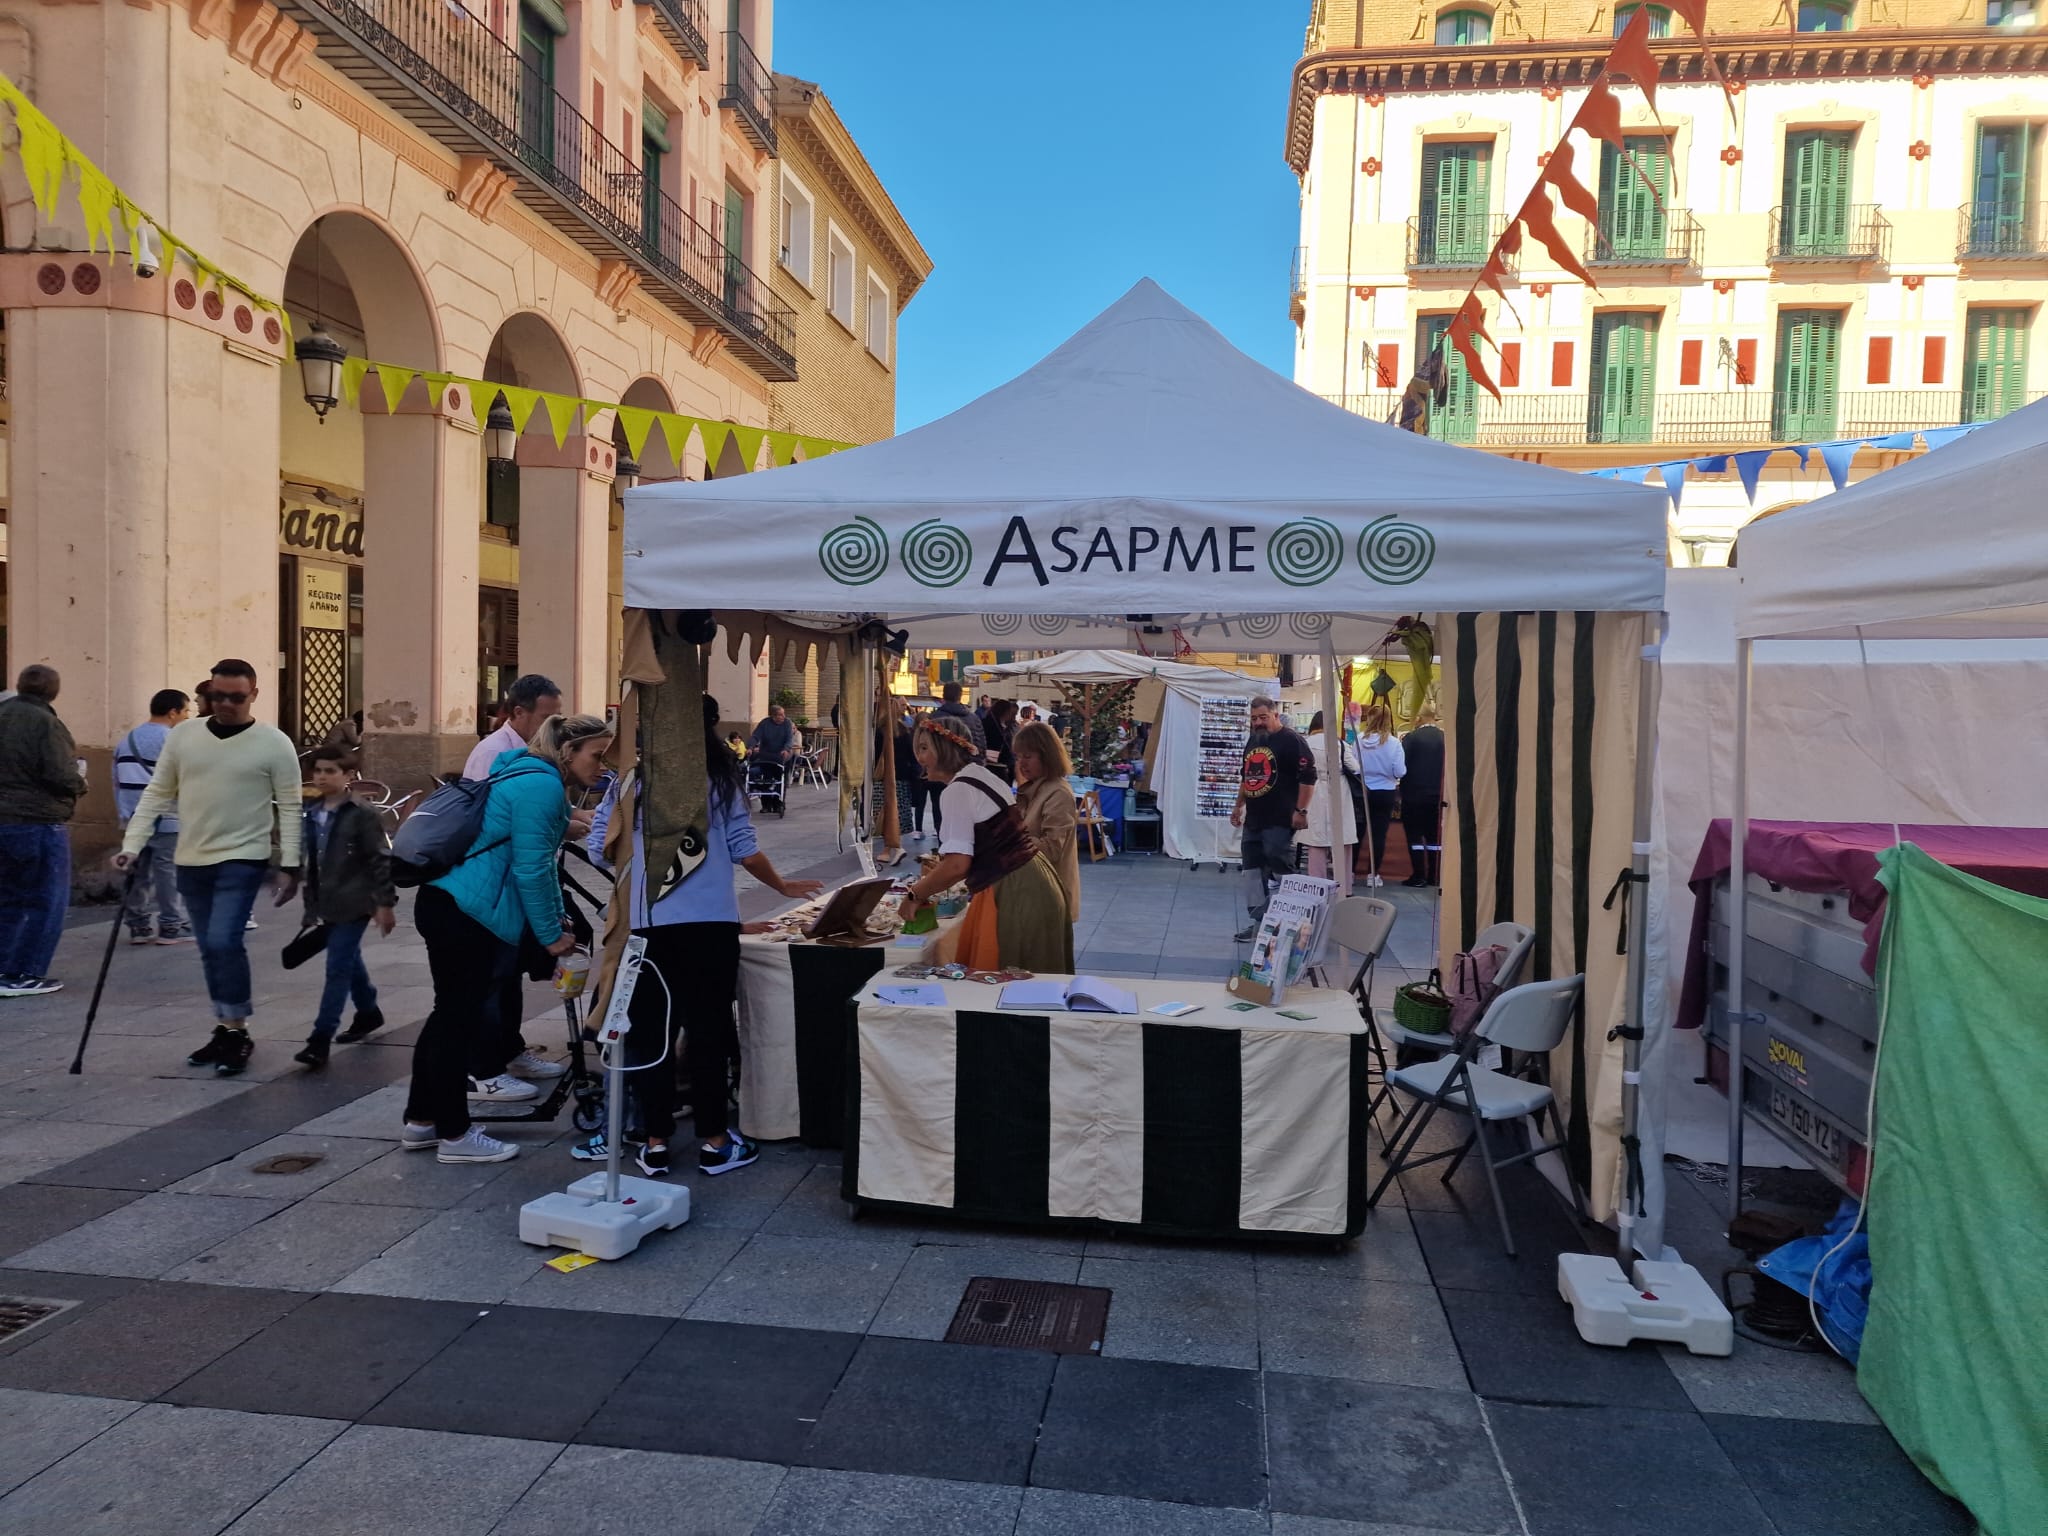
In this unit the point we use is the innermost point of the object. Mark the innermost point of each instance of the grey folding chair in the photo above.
(1531, 1020)
(1360, 925)
(1519, 940)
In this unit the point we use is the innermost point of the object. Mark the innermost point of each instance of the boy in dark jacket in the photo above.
(348, 887)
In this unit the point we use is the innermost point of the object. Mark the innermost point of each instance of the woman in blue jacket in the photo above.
(506, 886)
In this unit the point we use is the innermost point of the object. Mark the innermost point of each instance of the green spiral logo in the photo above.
(936, 554)
(855, 553)
(1305, 552)
(1395, 553)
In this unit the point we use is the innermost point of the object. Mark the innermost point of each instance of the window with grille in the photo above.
(1816, 215)
(1826, 16)
(1635, 190)
(1660, 19)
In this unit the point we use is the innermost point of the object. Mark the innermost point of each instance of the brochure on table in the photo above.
(1289, 939)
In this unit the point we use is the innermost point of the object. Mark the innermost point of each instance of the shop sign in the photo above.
(322, 531)
(323, 595)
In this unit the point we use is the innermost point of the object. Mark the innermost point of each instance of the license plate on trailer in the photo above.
(1807, 1126)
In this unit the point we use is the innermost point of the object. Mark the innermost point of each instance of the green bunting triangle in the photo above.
(675, 431)
(394, 381)
(637, 422)
(352, 371)
(522, 402)
(749, 440)
(781, 448)
(562, 411)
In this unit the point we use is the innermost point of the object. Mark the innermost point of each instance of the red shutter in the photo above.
(1689, 361)
(1933, 359)
(1510, 364)
(597, 102)
(628, 137)
(1389, 365)
(1878, 370)
(1561, 364)
(1745, 360)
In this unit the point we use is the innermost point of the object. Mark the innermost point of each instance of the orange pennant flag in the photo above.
(1473, 313)
(1599, 116)
(1558, 172)
(1541, 221)
(1631, 56)
(1460, 337)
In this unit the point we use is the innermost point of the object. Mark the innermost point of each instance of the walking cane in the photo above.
(92, 1010)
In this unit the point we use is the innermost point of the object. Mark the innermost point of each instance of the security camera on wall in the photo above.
(147, 250)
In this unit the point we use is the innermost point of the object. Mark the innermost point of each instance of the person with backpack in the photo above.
(154, 913)
(348, 887)
(503, 886)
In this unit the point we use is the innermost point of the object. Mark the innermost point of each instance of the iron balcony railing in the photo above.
(1442, 242)
(2001, 231)
(1851, 232)
(749, 91)
(1297, 272)
(1695, 420)
(682, 23)
(1659, 237)
(454, 77)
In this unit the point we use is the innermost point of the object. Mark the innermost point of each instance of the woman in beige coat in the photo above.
(1047, 803)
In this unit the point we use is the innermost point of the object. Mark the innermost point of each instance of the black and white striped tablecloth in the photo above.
(1219, 1124)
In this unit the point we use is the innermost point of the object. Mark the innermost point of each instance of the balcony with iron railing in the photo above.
(1660, 237)
(682, 23)
(1695, 421)
(1452, 241)
(1297, 272)
(750, 91)
(453, 77)
(1856, 232)
(2002, 231)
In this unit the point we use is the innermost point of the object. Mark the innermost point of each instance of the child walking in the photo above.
(348, 887)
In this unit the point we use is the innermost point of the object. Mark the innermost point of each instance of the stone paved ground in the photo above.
(365, 1346)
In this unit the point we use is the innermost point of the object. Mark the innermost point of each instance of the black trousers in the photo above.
(701, 964)
(928, 791)
(1379, 815)
(1423, 820)
(498, 1039)
(462, 957)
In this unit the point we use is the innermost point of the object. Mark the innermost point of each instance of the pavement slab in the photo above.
(150, 1236)
(1797, 1470)
(1192, 1314)
(926, 1295)
(145, 1340)
(35, 1213)
(39, 1429)
(1363, 1330)
(646, 1492)
(306, 1247)
(1153, 1430)
(814, 1502)
(803, 1282)
(457, 1256)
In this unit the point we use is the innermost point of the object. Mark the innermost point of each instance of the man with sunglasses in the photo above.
(233, 784)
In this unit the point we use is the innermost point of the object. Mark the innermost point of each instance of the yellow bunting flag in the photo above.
(522, 402)
(749, 440)
(782, 448)
(395, 381)
(562, 411)
(352, 371)
(714, 434)
(675, 431)
(637, 422)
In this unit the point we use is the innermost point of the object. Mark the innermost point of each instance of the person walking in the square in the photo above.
(348, 887)
(233, 783)
(155, 914)
(1274, 788)
(39, 788)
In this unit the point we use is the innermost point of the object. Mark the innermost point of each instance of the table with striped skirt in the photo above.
(1216, 1124)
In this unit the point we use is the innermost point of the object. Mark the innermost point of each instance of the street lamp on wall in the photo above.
(501, 437)
(320, 358)
(626, 472)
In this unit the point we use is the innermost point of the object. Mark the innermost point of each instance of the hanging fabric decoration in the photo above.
(712, 434)
(562, 411)
(1631, 56)
(749, 441)
(522, 403)
(1750, 467)
(352, 371)
(1837, 457)
(394, 381)
(636, 422)
(1674, 482)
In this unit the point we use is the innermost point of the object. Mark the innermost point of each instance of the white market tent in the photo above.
(1147, 474)
(1176, 750)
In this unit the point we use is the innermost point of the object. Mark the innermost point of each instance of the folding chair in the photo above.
(1360, 925)
(809, 767)
(1095, 827)
(1519, 938)
(1531, 1021)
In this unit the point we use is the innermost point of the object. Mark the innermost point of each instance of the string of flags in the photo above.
(637, 422)
(1836, 455)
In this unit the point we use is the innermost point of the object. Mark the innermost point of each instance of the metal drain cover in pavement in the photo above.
(1031, 1314)
(289, 1162)
(18, 1314)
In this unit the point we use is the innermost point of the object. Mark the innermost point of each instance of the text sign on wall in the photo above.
(323, 596)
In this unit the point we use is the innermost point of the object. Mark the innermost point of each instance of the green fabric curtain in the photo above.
(1954, 1356)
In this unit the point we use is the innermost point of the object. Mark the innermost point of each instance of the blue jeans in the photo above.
(218, 899)
(35, 888)
(347, 977)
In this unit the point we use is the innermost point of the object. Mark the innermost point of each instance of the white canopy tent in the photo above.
(1950, 546)
(1147, 477)
(1175, 750)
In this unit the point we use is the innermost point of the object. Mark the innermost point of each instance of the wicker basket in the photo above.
(1421, 1008)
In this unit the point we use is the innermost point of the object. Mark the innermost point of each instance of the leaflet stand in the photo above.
(605, 1215)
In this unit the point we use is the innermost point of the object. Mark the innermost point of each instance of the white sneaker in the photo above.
(531, 1064)
(417, 1138)
(502, 1089)
(473, 1146)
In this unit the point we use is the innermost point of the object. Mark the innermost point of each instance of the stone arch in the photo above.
(649, 393)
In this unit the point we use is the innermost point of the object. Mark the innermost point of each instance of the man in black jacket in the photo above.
(1422, 799)
(1275, 785)
(40, 784)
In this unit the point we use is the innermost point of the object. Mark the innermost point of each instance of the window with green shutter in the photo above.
(1660, 19)
(1994, 363)
(1815, 219)
(1632, 213)
(2001, 212)
(1454, 221)
(539, 26)
(1622, 404)
(1457, 419)
(1809, 364)
(1464, 29)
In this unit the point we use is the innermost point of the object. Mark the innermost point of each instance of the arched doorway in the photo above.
(364, 585)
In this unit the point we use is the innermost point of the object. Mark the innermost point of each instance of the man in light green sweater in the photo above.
(233, 783)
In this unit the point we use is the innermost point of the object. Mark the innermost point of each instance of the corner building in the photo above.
(570, 195)
(1859, 248)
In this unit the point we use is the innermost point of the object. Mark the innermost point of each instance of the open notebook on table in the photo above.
(1079, 994)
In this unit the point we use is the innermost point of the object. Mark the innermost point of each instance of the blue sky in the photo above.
(1050, 155)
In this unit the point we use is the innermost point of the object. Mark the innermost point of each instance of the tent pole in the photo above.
(1737, 1010)
(1636, 1010)
(885, 767)
(1332, 770)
